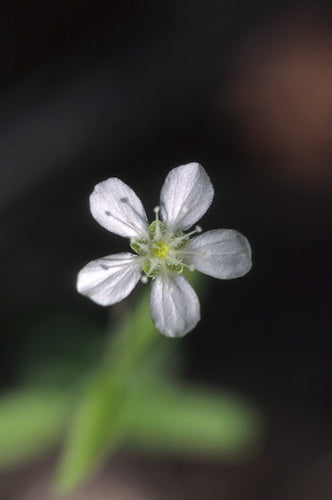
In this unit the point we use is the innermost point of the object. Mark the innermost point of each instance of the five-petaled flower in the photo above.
(162, 249)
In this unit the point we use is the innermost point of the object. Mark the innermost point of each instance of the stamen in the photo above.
(152, 267)
(156, 211)
(140, 216)
(144, 279)
(188, 266)
(197, 229)
(184, 237)
(129, 222)
(141, 247)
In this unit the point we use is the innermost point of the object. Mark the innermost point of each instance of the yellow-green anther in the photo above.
(139, 246)
(155, 227)
(177, 268)
(151, 270)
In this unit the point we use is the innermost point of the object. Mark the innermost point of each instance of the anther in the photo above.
(197, 229)
(144, 279)
(156, 211)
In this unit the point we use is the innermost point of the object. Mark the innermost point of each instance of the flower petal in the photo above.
(117, 208)
(174, 305)
(221, 253)
(185, 196)
(110, 279)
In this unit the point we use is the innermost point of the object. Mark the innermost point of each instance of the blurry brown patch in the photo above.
(280, 98)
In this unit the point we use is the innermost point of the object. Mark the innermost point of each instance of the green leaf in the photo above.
(192, 421)
(96, 429)
(30, 423)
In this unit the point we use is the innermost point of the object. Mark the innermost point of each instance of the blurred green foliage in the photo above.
(192, 422)
(31, 421)
(95, 399)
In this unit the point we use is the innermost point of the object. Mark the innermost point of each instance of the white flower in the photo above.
(162, 249)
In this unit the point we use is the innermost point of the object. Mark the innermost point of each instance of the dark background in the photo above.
(92, 90)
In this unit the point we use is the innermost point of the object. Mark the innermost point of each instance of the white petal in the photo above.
(117, 208)
(221, 253)
(110, 279)
(185, 196)
(174, 305)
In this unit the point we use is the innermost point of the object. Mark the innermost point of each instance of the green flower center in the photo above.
(160, 249)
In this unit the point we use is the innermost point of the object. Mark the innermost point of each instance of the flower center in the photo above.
(160, 249)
